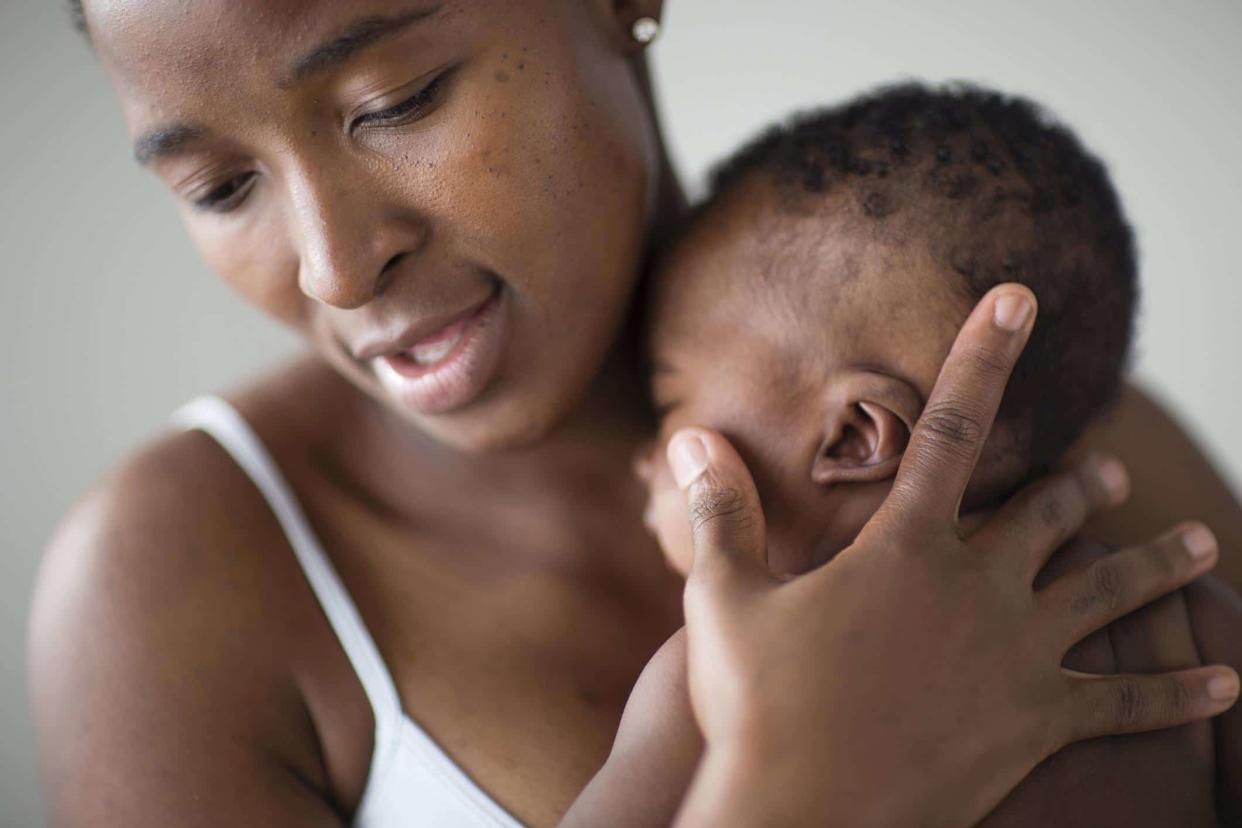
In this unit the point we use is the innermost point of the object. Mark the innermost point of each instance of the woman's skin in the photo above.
(470, 539)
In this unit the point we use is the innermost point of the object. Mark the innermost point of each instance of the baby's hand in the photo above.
(665, 514)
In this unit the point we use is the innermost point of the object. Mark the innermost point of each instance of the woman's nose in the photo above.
(349, 234)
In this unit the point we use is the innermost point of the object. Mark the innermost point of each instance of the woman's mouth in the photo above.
(451, 367)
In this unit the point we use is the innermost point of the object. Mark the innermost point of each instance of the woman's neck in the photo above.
(371, 455)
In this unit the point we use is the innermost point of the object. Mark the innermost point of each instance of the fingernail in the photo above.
(688, 457)
(1199, 542)
(1011, 311)
(1223, 688)
(1113, 477)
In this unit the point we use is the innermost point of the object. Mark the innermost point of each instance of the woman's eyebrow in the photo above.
(165, 141)
(355, 37)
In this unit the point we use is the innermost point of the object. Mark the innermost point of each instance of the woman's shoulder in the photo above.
(180, 494)
(179, 515)
(168, 612)
(175, 524)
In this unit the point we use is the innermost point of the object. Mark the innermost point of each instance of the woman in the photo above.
(451, 202)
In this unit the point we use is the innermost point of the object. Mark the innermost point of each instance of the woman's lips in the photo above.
(452, 366)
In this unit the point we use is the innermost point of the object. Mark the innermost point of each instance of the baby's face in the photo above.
(810, 343)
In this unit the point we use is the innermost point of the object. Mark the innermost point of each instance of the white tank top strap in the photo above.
(221, 421)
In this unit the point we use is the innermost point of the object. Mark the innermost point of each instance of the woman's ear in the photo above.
(867, 424)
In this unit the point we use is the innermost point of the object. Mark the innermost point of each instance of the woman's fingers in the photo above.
(726, 520)
(1114, 586)
(949, 435)
(1112, 705)
(1043, 516)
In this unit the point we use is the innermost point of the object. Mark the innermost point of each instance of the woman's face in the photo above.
(449, 200)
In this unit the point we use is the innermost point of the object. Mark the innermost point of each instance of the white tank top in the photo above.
(412, 781)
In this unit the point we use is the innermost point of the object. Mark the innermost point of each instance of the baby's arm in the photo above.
(1216, 617)
(654, 755)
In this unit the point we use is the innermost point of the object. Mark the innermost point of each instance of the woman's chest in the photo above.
(517, 665)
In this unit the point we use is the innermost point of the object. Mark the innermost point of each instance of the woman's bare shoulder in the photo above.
(181, 489)
(178, 495)
(161, 619)
(176, 523)
(174, 529)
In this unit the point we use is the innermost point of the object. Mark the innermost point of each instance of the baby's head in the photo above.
(805, 309)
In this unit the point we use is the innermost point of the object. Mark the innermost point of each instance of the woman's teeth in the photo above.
(431, 354)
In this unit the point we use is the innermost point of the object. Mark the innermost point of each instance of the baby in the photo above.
(805, 310)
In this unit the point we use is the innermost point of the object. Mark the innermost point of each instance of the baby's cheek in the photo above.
(666, 517)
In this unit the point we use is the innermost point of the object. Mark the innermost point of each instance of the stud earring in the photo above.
(645, 30)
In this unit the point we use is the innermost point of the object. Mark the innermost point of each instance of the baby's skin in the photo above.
(811, 343)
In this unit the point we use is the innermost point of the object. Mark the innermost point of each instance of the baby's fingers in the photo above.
(1116, 585)
(1113, 705)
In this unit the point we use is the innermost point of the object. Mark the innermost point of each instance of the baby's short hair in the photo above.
(998, 191)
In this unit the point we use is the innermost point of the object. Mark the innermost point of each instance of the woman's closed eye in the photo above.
(226, 196)
(411, 109)
(229, 194)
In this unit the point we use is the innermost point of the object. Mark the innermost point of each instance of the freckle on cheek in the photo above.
(502, 76)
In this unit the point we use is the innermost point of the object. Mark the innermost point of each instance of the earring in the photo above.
(645, 30)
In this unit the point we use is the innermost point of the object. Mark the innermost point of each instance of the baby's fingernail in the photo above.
(1199, 542)
(1113, 477)
(1223, 688)
(1011, 311)
(688, 458)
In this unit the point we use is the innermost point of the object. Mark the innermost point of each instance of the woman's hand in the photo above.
(917, 678)
(1157, 779)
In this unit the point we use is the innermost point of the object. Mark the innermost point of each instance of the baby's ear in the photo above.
(867, 424)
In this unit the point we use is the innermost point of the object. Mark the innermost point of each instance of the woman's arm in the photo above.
(1172, 480)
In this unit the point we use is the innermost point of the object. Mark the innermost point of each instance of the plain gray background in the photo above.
(109, 321)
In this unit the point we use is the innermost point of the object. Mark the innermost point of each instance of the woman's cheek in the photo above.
(253, 258)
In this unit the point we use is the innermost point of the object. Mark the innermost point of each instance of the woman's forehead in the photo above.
(143, 37)
(185, 63)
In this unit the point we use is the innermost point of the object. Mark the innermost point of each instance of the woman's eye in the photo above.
(227, 196)
(411, 109)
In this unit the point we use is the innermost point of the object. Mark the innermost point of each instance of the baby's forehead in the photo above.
(818, 272)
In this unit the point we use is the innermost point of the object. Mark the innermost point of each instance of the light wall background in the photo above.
(108, 321)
